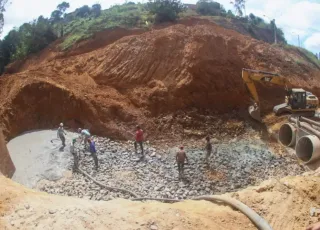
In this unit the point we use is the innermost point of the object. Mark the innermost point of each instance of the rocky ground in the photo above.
(236, 164)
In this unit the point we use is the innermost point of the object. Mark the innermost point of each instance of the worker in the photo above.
(85, 135)
(61, 133)
(181, 157)
(315, 226)
(75, 155)
(139, 140)
(93, 152)
(208, 149)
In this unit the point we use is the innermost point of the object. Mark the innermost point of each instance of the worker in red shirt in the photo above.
(139, 139)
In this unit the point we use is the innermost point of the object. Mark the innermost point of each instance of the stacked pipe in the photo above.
(302, 134)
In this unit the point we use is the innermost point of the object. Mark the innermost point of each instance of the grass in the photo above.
(72, 39)
(136, 15)
(310, 56)
(306, 54)
(127, 16)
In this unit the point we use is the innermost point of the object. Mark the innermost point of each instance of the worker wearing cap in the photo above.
(181, 157)
(61, 134)
(85, 135)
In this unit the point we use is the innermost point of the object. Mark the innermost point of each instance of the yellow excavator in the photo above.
(298, 101)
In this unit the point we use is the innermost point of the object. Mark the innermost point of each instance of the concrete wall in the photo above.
(6, 165)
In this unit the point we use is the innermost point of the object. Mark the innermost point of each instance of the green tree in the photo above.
(240, 6)
(9, 46)
(96, 10)
(29, 38)
(2, 10)
(255, 20)
(62, 7)
(83, 11)
(209, 7)
(33, 37)
(57, 16)
(165, 10)
(230, 14)
(252, 17)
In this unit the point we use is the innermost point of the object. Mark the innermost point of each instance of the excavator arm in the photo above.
(249, 77)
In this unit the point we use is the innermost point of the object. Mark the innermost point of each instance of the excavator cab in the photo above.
(298, 99)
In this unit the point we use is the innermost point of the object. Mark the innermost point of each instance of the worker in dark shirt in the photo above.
(181, 157)
(208, 149)
(93, 152)
(75, 155)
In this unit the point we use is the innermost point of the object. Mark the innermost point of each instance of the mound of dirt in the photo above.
(284, 204)
(134, 78)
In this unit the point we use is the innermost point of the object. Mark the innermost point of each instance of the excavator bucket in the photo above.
(254, 112)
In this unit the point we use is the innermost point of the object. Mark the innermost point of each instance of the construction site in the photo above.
(180, 83)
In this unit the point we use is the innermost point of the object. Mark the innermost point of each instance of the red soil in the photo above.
(123, 77)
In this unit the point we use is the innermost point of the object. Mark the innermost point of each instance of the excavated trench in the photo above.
(234, 165)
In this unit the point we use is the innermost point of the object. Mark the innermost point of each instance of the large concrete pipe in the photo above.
(287, 135)
(305, 126)
(315, 123)
(308, 149)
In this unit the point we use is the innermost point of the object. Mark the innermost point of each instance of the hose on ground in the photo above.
(105, 186)
(257, 220)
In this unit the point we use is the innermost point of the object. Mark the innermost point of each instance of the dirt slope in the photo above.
(193, 64)
(26, 209)
(284, 204)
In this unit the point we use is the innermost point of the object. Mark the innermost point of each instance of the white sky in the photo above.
(295, 17)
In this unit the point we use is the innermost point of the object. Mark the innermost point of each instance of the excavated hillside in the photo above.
(175, 78)
(130, 77)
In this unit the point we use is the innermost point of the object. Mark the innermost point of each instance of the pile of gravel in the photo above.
(235, 165)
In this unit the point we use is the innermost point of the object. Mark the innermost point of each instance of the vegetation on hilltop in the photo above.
(85, 21)
(2, 9)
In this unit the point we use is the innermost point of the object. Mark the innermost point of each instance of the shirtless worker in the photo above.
(181, 157)
(61, 133)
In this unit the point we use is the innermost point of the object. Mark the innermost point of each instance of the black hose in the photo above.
(257, 220)
(107, 187)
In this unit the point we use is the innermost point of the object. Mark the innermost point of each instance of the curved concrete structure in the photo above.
(287, 135)
(308, 149)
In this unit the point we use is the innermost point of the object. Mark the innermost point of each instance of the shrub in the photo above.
(165, 10)
(209, 7)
